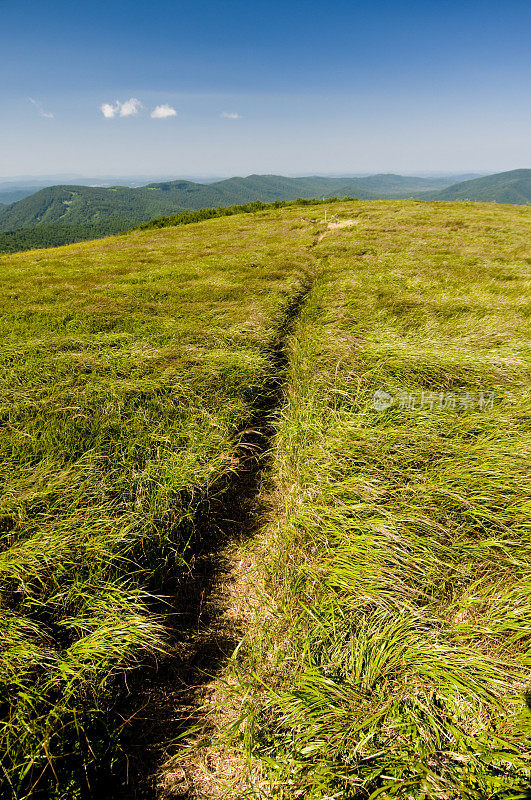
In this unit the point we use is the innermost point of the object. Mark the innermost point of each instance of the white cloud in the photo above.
(130, 107)
(229, 115)
(109, 110)
(163, 112)
(40, 109)
(127, 109)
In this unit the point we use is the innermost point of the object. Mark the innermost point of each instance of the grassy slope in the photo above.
(391, 655)
(129, 366)
(58, 234)
(397, 557)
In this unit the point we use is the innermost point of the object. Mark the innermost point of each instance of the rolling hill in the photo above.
(64, 214)
(215, 546)
(14, 189)
(503, 187)
(82, 205)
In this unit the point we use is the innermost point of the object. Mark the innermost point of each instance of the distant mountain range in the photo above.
(61, 214)
(75, 205)
(13, 189)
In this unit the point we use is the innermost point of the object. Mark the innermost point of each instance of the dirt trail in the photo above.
(331, 226)
(209, 611)
(164, 704)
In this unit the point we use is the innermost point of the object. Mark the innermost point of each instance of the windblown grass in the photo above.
(130, 366)
(390, 657)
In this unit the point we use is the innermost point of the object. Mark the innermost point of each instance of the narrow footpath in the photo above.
(166, 704)
(166, 707)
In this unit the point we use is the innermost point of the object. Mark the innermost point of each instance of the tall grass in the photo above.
(130, 367)
(389, 657)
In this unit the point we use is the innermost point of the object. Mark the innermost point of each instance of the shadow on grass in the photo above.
(156, 706)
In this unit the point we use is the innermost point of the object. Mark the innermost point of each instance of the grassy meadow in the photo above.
(388, 653)
(130, 367)
(389, 656)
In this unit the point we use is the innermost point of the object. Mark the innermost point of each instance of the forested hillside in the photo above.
(63, 214)
(504, 187)
(82, 206)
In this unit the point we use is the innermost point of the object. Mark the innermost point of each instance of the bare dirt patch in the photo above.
(334, 225)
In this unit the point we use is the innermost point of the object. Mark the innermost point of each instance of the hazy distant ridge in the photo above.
(81, 205)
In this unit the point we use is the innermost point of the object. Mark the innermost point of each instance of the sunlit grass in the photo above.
(129, 367)
(390, 656)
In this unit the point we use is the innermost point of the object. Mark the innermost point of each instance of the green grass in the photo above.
(130, 365)
(389, 657)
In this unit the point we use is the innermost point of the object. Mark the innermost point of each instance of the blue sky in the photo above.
(286, 87)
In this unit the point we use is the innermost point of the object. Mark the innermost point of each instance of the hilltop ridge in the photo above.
(68, 213)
